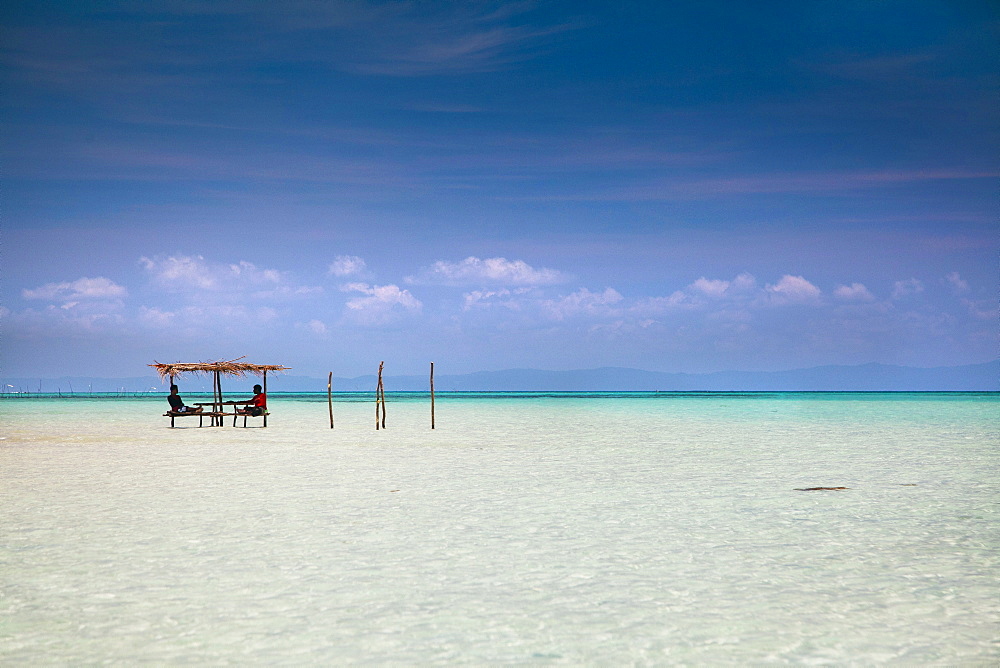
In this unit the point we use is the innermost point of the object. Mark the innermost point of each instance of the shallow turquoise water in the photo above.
(526, 529)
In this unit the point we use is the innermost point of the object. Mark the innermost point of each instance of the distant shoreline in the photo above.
(500, 394)
(983, 377)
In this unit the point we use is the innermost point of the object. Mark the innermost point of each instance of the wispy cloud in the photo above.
(982, 309)
(184, 273)
(347, 265)
(490, 271)
(99, 288)
(461, 40)
(193, 320)
(878, 69)
(485, 299)
(316, 327)
(84, 306)
(957, 283)
(824, 182)
(725, 300)
(907, 288)
(647, 186)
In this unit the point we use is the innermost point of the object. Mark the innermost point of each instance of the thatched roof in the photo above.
(231, 368)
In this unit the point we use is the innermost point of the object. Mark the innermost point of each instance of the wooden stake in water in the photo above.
(329, 396)
(381, 390)
(432, 395)
(380, 399)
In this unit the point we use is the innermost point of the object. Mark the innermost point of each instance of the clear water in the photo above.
(525, 530)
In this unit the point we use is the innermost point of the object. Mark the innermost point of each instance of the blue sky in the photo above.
(673, 186)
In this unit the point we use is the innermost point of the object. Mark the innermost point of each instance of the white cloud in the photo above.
(381, 303)
(910, 286)
(855, 292)
(700, 294)
(717, 288)
(958, 285)
(583, 302)
(82, 289)
(494, 270)
(386, 294)
(182, 272)
(793, 290)
(739, 294)
(488, 298)
(250, 272)
(712, 288)
(347, 265)
(742, 283)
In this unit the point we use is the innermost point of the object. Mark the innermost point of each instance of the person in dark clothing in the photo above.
(258, 405)
(177, 404)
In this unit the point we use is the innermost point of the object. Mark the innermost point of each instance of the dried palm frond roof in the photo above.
(231, 368)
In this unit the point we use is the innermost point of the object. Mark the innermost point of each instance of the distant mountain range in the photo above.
(866, 377)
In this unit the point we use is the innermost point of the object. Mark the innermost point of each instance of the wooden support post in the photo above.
(432, 395)
(218, 408)
(265, 399)
(216, 398)
(329, 396)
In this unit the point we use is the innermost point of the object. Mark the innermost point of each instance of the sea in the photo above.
(525, 529)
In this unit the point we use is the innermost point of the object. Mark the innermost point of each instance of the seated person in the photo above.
(177, 404)
(257, 405)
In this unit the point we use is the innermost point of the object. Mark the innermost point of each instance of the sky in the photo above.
(688, 186)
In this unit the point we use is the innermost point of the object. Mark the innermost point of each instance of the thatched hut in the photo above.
(218, 369)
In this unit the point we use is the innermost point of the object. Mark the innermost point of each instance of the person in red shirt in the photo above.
(258, 404)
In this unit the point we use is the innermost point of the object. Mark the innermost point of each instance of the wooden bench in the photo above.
(174, 414)
(248, 415)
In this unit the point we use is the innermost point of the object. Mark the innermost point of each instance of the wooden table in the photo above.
(218, 410)
(220, 413)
